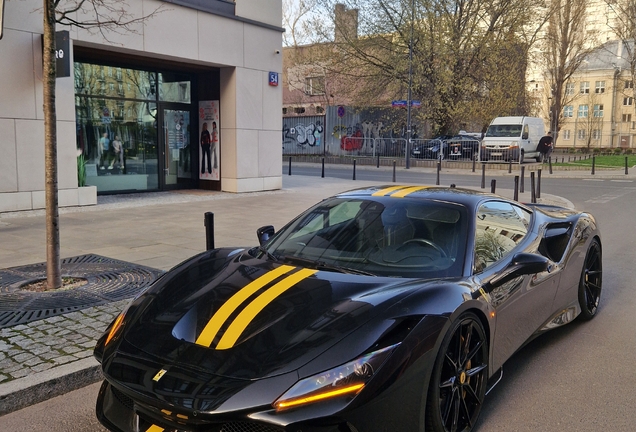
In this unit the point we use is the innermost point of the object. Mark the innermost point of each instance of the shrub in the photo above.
(618, 150)
(628, 151)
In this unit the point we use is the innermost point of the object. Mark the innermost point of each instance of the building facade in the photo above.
(189, 99)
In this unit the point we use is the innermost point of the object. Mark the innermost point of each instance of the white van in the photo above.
(512, 138)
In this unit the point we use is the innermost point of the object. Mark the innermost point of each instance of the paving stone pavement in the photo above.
(45, 358)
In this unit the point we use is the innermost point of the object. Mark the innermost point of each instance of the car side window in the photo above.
(500, 227)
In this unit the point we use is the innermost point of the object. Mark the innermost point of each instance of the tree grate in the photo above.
(108, 280)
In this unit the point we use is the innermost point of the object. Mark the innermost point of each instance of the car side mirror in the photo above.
(521, 264)
(264, 233)
(525, 135)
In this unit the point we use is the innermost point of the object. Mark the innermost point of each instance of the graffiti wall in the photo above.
(347, 131)
(304, 135)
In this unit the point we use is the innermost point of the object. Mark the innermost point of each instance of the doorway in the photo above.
(175, 146)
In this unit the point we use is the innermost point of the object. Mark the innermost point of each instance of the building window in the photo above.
(284, 110)
(585, 87)
(569, 89)
(629, 84)
(596, 134)
(598, 110)
(627, 118)
(583, 110)
(320, 110)
(566, 134)
(299, 110)
(600, 87)
(568, 111)
(315, 85)
(581, 134)
(628, 101)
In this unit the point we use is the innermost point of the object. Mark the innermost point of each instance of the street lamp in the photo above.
(408, 98)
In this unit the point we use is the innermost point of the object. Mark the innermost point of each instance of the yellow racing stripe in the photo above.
(386, 191)
(407, 191)
(246, 316)
(154, 428)
(214, 325)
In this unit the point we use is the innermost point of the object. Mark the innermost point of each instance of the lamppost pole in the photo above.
(408, 97)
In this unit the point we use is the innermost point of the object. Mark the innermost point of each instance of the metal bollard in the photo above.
(208, 222)
(533, 196)
(509, 166)
(523, 171)
(625, 165)
(377, 164)
(323, 168)
(493, 185)
(550, 164)
(354, 169)
(538, 184)
(593, 164)
(393, 171)
(290, 165)
(439, 168)
(474, 159)
(516, 190)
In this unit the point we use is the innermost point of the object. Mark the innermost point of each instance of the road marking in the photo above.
(596, 180)
(623, 181)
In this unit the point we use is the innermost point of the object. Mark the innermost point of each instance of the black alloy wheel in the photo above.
(458, 383)
(591, 281)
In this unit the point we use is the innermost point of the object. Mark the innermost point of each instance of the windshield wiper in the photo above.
(269, 255)
(321, 265)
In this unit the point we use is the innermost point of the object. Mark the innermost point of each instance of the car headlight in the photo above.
(115, 328)
(514, 144)
(346, 380)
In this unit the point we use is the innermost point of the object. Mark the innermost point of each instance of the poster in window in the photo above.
(209, 140)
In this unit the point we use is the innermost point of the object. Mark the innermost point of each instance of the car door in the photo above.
(523, 304)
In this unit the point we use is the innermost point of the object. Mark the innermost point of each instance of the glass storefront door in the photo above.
(175, 150)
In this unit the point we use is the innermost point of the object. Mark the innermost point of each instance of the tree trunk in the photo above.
(53, 265)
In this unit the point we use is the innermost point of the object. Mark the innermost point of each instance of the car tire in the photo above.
(590, 285)
(458, 382)
(539, 158)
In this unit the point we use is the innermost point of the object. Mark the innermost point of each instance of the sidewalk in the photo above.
(52, 356)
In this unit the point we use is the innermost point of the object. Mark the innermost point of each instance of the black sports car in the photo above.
(381, 309)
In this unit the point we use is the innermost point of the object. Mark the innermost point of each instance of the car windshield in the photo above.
(510, 131)
(384, 236)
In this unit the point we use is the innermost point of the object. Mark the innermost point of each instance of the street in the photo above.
(575, 378)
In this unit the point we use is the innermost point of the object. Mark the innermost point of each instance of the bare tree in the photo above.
(567, 43)
(469, 56)
(96, 15)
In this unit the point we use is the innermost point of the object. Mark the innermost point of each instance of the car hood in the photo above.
(248, 318)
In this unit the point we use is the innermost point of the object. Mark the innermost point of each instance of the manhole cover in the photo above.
(109, 280)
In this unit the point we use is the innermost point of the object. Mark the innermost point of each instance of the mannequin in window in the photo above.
(118, 153)
(103, 149)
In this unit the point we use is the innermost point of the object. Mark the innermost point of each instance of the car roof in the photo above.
(466, 197)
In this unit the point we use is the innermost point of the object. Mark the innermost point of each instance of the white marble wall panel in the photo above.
(118, 38)
(247, 153)
(249, 94)
(272, 105)
(228, 97)
(261, 45)
(220, 40)
(66, 155)
(16, 201)
(173, 32)
(30, 154)
(17, 71)
(228, 153)
(270, 153)
(8, 167)
(266, 11)
(24, 15)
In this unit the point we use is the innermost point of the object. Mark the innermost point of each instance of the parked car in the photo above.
(387, 308)
(430, 149)
(463, 147)
(512, 138)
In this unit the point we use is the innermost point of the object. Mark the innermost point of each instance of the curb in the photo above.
(36, 388)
